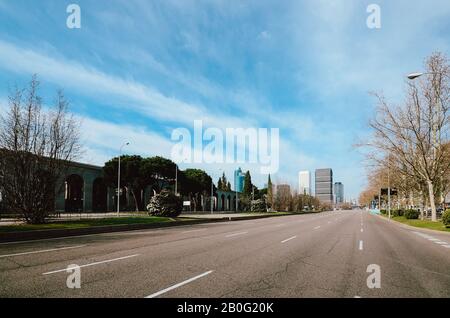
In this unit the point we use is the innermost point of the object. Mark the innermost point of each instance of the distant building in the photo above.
(304, 182)
(338, 192)
(239, 177)
(324, 185)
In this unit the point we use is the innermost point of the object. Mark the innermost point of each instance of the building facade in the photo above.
(239, 178)
(338, 193)
(324, 185)
(304, 182)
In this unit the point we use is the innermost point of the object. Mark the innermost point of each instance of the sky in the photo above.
(136, 70)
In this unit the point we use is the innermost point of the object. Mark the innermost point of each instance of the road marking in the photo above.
(361, 245)
(362, 230)
(433, 239)
(278, 225)
(329, 222)
(236, 234)
(178, 285)
(191, 231)
(317, 227)
(357, 297)
(91, 264)
(291, 238)
(42, 251)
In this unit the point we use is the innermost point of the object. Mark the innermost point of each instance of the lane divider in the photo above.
(43, 251)
(178, 285)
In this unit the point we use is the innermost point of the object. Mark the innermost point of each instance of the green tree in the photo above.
(248, 186)
(158, 172)
(130, 176)
(269, 193)
(194, 183)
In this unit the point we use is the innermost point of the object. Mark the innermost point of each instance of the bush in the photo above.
(259, 205)
(166, 204)
(396, 213)
(446, 218)
(411, 214)
(383, 211)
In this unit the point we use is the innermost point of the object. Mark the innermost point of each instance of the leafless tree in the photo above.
(36, 145)
(412, 139)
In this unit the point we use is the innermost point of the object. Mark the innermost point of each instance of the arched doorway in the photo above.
(74, 193)
(229, 203)
(222, 205)
(99, 195)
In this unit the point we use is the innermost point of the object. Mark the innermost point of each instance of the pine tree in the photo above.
(269, 192)
(247, 184)
(219, 184)
(228, 186)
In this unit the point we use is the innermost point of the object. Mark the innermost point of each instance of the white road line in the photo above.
(362, 230)
(291, 238)
(235, 234)
(278, 225)
(361, 245)
(91, 264)
(317, 227)
(178, 285)
(441, 243)
(329, 222)
(447, 246)
(192, 231)
(42, 251)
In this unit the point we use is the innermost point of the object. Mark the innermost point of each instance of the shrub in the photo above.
(446, 218)
(258, 205)
(397, 212)
(166, 204)
(383, 211)
(412, 214)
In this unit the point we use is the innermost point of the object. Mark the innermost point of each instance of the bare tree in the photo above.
(412, 139)
(36, 146)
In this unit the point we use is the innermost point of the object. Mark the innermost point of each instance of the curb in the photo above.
(410, 227)
(10, 237)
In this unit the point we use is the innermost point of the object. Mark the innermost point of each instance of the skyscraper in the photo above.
(239, 177)
(338, 192)
(324, 185)
(304, 182)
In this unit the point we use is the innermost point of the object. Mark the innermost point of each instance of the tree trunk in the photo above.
(432, 204)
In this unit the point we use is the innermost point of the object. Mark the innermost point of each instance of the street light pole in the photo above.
(118, 179)
(389, 188)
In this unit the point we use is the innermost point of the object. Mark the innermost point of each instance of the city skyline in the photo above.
(130, 73)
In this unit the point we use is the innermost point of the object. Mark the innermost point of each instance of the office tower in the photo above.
(338, 192)
(239, 177)
(324, 185)
(304, 182)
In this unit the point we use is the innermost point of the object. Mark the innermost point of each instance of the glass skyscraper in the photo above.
(239, 177)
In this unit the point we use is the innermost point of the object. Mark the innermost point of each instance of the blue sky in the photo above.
(138, 69)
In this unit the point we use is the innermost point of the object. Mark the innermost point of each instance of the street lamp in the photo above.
(118, 179)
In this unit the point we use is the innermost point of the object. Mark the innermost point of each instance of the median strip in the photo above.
(178, 285)
(91, 264)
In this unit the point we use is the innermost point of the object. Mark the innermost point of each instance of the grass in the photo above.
(426, 224)
(84, 223)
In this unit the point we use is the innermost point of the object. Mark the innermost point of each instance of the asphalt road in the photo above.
(314, 255)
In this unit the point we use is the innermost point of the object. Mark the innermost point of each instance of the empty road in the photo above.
(313, 255)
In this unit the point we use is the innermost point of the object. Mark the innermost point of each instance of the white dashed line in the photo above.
(178, 285)
(236, 234)
(433, 239)
(362, 230)
(91, 264)
(192, 231)
(291, 238)
(42, 251)
(361, 245)
(317, 227)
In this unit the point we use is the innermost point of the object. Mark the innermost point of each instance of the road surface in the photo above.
(313, 255)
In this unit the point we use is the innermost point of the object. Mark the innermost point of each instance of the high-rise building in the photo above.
(239, 178)
(324, 185)
(338, 192)
(304, 182)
